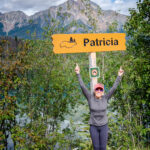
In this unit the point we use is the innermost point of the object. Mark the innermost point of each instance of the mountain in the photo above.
(17, 23)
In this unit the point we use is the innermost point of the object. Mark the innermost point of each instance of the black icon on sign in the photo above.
(68, 44)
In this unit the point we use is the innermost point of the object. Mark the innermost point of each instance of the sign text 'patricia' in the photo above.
(97, 42)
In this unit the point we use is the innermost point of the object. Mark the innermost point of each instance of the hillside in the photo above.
(17, 23)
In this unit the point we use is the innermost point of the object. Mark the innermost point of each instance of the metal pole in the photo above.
(92, 63)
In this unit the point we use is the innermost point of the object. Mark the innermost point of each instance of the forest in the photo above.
(41, 103)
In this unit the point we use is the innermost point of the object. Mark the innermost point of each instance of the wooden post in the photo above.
(92, 63)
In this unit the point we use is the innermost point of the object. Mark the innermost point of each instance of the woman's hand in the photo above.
(120, 72)
(77, 69)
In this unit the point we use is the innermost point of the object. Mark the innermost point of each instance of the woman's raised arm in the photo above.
(116, 83)
(85, 91)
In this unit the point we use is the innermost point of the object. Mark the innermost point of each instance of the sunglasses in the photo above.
(99, 89)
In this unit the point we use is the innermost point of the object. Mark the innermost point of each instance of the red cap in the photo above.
(99, 85)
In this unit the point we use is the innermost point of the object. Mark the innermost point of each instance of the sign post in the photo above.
(91, 43)
(92, 63)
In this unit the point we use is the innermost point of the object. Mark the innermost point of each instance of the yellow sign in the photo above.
(90, 42)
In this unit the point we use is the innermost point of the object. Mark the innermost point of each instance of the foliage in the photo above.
(130, 123)
(11, 71)
(47, 95)
(89, 13)
(137, 28)
(113, 27)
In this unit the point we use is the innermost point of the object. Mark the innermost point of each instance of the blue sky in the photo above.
(32, 6)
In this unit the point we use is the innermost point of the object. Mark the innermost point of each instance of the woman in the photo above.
(98, 105)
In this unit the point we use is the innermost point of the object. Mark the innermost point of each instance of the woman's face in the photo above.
(98, 92)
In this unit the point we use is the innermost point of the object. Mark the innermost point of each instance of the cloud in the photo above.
(27, 6)
(32, 6)
(121, 6)
(118, 1)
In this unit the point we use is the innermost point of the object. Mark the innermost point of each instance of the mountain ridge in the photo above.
(17, 23)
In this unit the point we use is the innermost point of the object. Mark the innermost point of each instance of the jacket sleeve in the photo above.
(85, 91)
(112, 90)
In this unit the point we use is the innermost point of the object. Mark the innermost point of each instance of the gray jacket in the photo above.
(98, 107)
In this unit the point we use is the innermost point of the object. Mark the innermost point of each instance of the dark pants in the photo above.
(99, 136)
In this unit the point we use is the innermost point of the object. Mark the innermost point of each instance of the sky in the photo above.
(30, 7)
